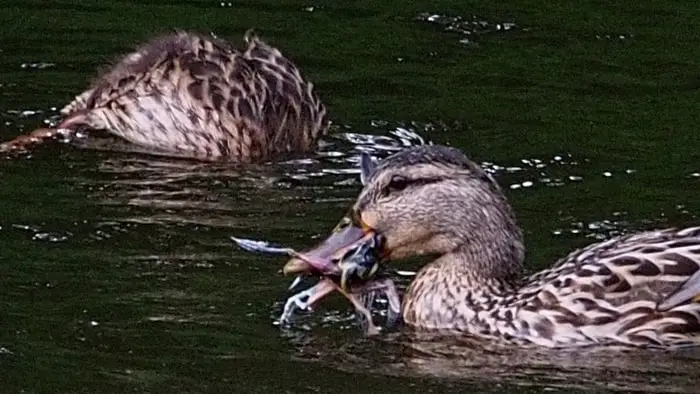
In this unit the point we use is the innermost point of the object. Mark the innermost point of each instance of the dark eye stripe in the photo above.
(397, 185)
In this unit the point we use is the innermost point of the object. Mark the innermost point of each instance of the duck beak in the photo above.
(322, 258)
(351, 251)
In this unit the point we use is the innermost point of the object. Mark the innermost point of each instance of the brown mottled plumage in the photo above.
(196, 96)
(641, 289)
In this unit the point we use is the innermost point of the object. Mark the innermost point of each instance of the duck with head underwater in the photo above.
(638, 290)
(193, 96)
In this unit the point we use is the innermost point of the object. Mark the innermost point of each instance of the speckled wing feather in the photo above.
(197, 95)
(634, 289)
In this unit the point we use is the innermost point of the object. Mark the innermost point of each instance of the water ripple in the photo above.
(38, 234)
(468, 27)
(38, 65)
(615, 37)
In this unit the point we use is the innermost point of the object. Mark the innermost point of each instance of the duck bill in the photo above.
(321, 258)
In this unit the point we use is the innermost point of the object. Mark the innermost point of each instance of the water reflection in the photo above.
(492, 368)
(144, 179)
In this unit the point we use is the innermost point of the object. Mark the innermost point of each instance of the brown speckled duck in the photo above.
(640, 290)
(190, 95)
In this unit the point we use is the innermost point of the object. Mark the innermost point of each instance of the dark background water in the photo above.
(116, 271)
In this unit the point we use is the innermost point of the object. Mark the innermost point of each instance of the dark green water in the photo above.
(116, 272)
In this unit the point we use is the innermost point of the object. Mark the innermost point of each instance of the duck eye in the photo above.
(398, 183)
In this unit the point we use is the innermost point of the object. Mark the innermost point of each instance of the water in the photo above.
(117, 269)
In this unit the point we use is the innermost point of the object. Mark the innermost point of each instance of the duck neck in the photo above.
(452, 290)
(485, 261)
(486, 246)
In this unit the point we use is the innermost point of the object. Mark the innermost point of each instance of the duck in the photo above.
(187, 94)
(639, 290)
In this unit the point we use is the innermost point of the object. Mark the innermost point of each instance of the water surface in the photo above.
(117, 270)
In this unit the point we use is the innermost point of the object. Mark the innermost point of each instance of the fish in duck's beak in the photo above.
(352, 253)
(324, 258)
